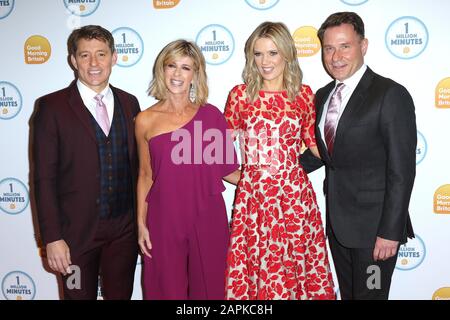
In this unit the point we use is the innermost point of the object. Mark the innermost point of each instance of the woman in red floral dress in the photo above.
(277, 246)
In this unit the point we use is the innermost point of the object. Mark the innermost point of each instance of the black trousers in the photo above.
(359, 276)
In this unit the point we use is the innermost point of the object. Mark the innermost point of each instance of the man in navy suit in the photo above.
(85, 172)
(366, 135)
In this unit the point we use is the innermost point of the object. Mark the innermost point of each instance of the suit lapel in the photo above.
(125, 104)
(78, 107)
(321, 97)
(356, 99)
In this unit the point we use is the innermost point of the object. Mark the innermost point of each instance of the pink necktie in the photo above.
(331, 119)
(102, 114)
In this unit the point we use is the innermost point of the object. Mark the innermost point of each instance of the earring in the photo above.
(192, 93)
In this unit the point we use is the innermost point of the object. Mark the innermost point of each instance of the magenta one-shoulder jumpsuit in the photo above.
(186, 215)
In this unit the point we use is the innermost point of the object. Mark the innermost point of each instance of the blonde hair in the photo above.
(292, 75)
(172, 51)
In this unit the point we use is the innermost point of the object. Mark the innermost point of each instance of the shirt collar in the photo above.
(353, 81)
(88, 94)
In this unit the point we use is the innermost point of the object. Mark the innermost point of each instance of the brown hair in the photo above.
(338, 18)
(89, 32)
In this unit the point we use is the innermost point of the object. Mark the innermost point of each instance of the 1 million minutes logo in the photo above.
(13, 196)
(85, 8)
(216, 43)
(17, 285)
(262, 4)
(421, 149)
(10, 100)
(354, 2)
(129, 46)
(406, 37)
(411, 254)
(6, 7)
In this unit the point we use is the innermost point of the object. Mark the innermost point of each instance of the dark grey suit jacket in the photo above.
(370, 174)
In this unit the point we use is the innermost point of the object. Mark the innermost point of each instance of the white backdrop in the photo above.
(408, 42)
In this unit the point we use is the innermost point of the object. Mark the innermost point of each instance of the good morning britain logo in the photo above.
(442, 294)
(82, 8)
(441, 200)
(442, 94)
(165, 4)
(216, 43)
(10, 100)
(306, 41)
(37, 50)
(6, 7)
(406, 37)
(262, 4)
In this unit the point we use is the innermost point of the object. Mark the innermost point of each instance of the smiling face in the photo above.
(178, 75)
(270, 63)
(343, 51)
(93, 60)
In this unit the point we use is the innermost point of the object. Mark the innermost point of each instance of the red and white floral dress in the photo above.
(277, 246)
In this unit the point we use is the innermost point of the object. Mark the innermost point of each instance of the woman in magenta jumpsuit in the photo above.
(184, 153)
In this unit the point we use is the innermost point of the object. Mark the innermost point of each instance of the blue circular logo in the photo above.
(216, 43)
(411, 254)
(129, 46)
(18, 285)
(14, 196)
(6, 7)
(406, 37)
(261, 5)
(354, 2)
(421, 149)
(10, 100)
(83, 9)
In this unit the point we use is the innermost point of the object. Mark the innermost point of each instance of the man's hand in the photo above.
(384, 249)
(58, 256)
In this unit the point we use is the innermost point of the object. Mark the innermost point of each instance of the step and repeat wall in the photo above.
(409, 41)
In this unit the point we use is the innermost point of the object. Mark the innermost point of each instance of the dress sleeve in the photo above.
(230, 162)
(308, 116)
(232, 112)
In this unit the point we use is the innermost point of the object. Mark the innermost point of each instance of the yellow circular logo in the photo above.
(306, 41)
(165, 4)
(442, 200)
(443, 94)
(442, 294)
(37, 50)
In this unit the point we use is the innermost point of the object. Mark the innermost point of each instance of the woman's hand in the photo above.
(233, 177)
(144, 241)
(315, 151)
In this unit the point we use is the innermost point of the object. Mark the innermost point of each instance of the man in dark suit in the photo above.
(366, 135)
(85, 171)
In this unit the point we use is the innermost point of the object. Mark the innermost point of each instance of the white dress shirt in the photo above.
(346, 93)
(87, 95)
